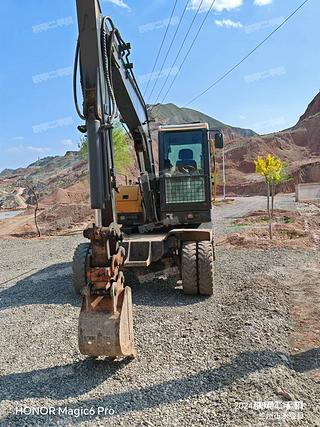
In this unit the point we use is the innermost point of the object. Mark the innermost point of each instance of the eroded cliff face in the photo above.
(312, 109)
(62, 178)
(299, 146)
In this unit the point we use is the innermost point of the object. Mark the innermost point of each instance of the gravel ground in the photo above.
(202, 362)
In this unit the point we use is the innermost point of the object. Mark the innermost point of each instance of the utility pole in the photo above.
(223, 175)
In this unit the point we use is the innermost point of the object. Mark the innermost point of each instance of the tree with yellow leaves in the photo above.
(271, 168)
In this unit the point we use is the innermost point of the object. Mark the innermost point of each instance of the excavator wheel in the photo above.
(197, 268)
(205, 268)
(79, 267)
(189, 268)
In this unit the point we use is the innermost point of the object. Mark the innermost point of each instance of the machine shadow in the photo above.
(59, 382)
(54, 383)
(307, 360)
(159, 292)
(77, 379)
(51, 285)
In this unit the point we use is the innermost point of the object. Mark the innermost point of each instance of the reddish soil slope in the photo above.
(299, 146)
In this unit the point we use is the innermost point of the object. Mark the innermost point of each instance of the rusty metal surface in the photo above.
(105, 321)
(118, 259)
(104, 243)
(106, 325)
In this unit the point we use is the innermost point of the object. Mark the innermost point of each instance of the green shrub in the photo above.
(122, 152)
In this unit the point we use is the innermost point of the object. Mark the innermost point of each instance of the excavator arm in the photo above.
(110, 92)
(109, 88)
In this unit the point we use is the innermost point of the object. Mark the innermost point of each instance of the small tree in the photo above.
(122, 155)
(32, 190)
(270, 168)
(83, 147)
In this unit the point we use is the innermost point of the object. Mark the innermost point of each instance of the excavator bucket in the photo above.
(106, 325)
(105, 321)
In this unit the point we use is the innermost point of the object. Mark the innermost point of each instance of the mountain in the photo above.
(170, 114)
(47, 175)
(53, 175)
(312, 110)
(63, 179)
(299, 146)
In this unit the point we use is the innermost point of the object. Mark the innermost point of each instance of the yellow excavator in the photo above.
(163, 221)
(129, 205)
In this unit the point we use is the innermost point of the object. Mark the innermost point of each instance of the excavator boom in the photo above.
(110, 93)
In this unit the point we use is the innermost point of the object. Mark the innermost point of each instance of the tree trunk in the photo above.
(35, 210)
(35, 217)
(273, 191)
(269, 210)
(30, 188)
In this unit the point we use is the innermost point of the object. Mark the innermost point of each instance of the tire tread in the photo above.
(205, 268)
(189, 268)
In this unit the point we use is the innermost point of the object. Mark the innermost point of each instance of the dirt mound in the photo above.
(290, 230)
(54, 220)
(77, 193)
(60, 218)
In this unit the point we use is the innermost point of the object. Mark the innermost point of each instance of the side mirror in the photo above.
(218, 140)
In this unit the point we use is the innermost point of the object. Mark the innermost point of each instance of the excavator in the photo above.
(164, 221)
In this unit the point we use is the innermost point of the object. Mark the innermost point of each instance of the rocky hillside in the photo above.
(48, 176)
(170, 114)
(312, 110)
(63, 179)
(299, 146)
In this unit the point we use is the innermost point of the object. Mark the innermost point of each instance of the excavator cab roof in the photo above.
(182, 127)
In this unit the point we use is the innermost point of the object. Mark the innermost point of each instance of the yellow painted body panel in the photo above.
(129, 199)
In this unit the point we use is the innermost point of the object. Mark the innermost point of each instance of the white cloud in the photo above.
(262, 2)
(227, 23)
(119, 3)
(219, 5)
(18, 138)
(156, 25)
(41, 150)
(266, 74)
(275, 22)
(270, 125)
(67, 142)
(31, 148)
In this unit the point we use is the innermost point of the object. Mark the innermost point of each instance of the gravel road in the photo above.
(202, 362)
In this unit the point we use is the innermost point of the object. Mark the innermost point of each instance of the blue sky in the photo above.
(268, 92)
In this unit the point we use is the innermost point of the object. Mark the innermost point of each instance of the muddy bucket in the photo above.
(106, 325)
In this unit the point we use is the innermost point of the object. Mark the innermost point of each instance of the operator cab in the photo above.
(185, 173)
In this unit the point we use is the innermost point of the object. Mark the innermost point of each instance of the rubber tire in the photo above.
(79, 267)
(197, 268)
(205, 268)
(189, 268)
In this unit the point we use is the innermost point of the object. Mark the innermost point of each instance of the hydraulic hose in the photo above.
(75, 72)
(106, 44)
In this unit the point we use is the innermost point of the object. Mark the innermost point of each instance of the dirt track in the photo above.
(201, 361)
(19, 199)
